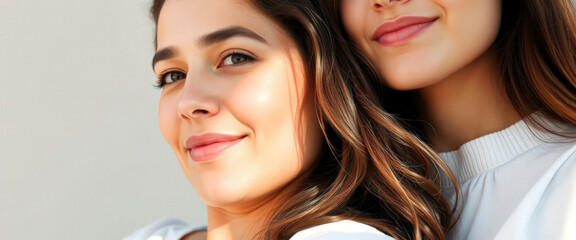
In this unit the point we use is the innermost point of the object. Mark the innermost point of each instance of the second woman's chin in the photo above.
(414, 70)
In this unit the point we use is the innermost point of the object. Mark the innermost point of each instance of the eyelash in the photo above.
(245, 54)
(246, 59)
(161, 82)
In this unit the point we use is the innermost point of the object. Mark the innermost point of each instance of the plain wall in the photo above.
(81, 154)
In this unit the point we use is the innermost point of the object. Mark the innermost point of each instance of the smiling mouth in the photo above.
(209, 146)
(401, 30)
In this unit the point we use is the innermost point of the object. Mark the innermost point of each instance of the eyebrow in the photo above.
(224, 34)
(210, 39)
(163, 54)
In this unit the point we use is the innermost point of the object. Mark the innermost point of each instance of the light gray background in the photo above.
(81, 155)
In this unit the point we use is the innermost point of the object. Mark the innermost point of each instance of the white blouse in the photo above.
(174, 229)
(518, 183)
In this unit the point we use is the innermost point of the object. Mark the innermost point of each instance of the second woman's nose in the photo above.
(377, 5)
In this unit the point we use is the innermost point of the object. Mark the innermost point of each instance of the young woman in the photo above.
(494, 87)
(277, 133)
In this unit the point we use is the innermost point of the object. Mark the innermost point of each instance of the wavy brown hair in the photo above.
(536, 47)
(375, 171)
(537, 50)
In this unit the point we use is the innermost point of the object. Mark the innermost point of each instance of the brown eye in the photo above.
(236, 58)
(169, 77)
(174, 76)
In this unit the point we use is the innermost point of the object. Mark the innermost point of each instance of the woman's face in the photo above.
(416, 43)
(235, 108)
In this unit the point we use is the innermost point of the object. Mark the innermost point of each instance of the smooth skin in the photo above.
(450, 63)
(230, 70)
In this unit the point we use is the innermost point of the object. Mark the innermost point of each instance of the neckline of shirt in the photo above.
(494, 149)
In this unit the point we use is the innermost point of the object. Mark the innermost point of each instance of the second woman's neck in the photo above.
(469, 104)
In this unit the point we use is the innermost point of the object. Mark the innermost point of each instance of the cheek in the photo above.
(353, 19)
(476, 19)
(169, 120)
(274, 106)
(313, 138)
(262, 99)
(473, 25)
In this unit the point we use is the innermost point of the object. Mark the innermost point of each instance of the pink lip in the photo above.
(401, 29)
(208, 146)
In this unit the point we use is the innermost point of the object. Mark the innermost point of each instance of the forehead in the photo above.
(183, 20)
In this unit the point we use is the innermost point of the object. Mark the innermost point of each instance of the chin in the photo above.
(412, 79)
(405, 84)
(219, 198)
(220, 193)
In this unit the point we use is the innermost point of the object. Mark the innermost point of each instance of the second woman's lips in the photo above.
(208, 146)
(401, 29)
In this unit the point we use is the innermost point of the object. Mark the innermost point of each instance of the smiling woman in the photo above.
(268, 127)
(491, 84)
(232, 104)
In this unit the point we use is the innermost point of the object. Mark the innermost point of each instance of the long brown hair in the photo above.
(537, 49)
(375, 171)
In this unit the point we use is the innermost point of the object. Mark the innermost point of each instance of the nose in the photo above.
(197, 100)
(377, 5)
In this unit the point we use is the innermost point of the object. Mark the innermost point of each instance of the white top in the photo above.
(173, 229)
(341, 230)
(519, 183)
(164, 229)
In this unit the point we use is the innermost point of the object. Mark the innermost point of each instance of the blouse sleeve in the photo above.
(164, 229)
(342, 230)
